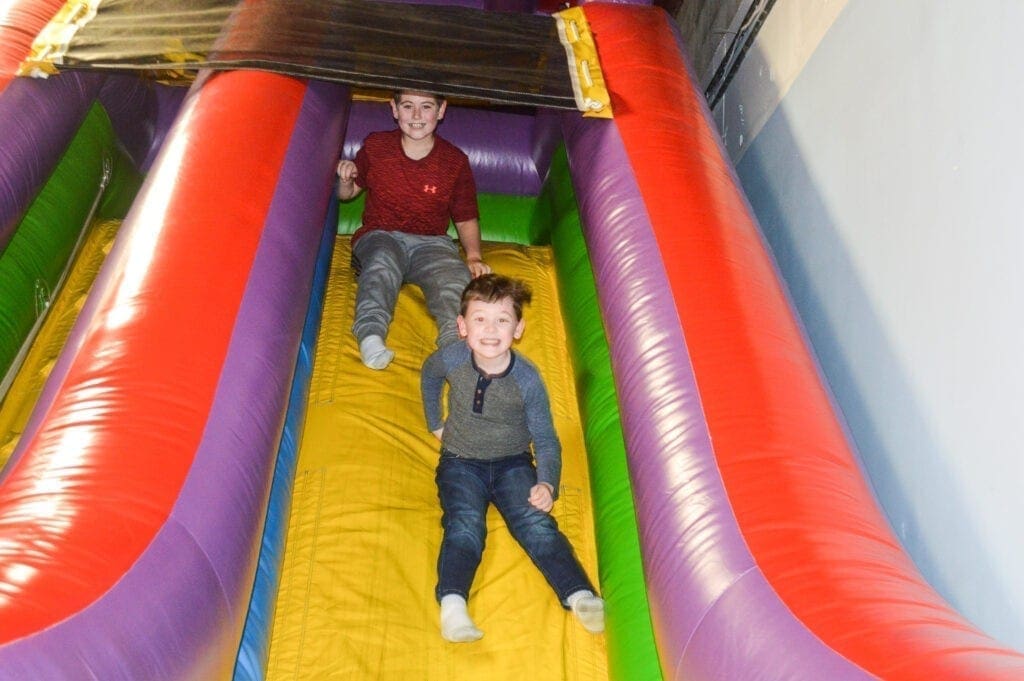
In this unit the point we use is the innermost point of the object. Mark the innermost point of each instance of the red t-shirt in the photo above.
(416, 197)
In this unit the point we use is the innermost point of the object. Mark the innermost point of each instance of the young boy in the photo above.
(417, 183)
(497, 406)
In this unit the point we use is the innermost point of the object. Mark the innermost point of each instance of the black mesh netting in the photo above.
(509, 58)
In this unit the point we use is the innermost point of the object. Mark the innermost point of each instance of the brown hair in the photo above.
(490, 288)
(396, 96)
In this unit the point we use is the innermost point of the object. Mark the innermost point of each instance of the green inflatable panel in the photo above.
(632, 654)
(92, 174)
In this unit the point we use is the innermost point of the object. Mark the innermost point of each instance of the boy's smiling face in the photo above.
(417, 114)
(489, 330)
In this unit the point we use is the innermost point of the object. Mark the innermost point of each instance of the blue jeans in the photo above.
(465, 488)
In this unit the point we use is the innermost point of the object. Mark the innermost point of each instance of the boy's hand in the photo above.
(477, 267)
(438, 433)
(541, 497)
(347, 187)
(347, 171)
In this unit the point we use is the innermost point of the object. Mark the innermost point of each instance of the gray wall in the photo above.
(888, 184)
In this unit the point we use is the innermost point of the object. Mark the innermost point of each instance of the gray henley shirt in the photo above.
(490, 417)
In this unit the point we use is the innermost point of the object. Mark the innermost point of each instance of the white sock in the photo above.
(456, 625)
(374, 354)
(589, 610)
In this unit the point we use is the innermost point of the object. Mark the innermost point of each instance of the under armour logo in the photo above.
(430, 189)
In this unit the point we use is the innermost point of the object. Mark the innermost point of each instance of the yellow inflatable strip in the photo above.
(50, 46)
(356, 597)
(585, 73)
(27, 385)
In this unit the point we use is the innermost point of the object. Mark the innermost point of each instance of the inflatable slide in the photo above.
(202, 481)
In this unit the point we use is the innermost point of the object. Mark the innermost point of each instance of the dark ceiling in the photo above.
(716, 34)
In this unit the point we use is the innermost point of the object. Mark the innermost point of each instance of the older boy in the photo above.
(497, 406)
(417, 183)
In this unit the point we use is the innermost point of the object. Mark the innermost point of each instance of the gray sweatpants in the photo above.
(386, 260)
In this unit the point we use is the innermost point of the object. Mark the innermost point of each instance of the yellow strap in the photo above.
(584, 68)
(50, 46)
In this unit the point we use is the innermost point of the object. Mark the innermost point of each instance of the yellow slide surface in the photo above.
(356, 597)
